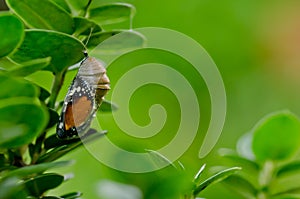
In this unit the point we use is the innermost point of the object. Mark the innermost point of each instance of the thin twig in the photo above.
(56, 86)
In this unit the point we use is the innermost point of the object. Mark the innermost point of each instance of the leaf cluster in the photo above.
(198, 183)
(35, 36)
(268, 155)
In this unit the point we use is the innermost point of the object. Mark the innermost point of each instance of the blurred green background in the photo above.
(256, 46)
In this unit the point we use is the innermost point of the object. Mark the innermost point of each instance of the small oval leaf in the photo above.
(238, 160)
(62, 147)
(44, 94)
(14, 87)
(53, 142)
(41, 43)
(42, 15)
(97, 38)
(6, 63)
(276, 137)
(83, 26)
(53, 118)
(290, 168)
(12, 35)
(27, 171)
(38, 185)
(78, 6)
(244, 146)
(111, 13)
(21, 120)
(11, 189)
(56, 153)
(241, 186)
(120, 42)
(29, 67)
(63, 4)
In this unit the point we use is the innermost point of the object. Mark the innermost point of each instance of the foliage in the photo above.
(268, 157)
(43, 35)
(48, 35)
(197, 185)
(175, 185)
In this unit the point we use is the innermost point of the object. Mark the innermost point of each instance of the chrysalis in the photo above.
(83, 99)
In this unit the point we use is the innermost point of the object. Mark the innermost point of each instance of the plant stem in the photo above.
(18, 157)
(56, 86)
(86, 8)
(265, 179)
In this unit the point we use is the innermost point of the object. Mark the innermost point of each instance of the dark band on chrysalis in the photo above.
(85, 53)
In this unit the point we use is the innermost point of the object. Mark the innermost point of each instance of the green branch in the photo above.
(56, 86)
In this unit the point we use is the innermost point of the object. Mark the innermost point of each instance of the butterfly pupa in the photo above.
(83, 99)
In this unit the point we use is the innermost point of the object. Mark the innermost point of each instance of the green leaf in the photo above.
(30, 67)
(21, 120)
(72, 195)
(239, 160)
(38, 185)
(218, 177)
(83, 26)
(159, 159)
(78, 6)
(62, 148)
(32, 149)
(122, 42)
(54, 142)
(14, 87)
(97, 38)
(240, 186)
(2, 160)
(44, 94)
(244, 146)
(6, 63)
(199, 173)
(42, 15)
(62, 48)
(31, 170)
(7, 167)
(287, 196)
(57, 153)
(290, 168)
(276, 137)
(53, 118)
(63, 4)
(11, 33)
(293, 192)
(10, 188)
(111, 13)
(108, 106)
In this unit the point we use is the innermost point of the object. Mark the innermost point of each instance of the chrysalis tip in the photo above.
(85, 53)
